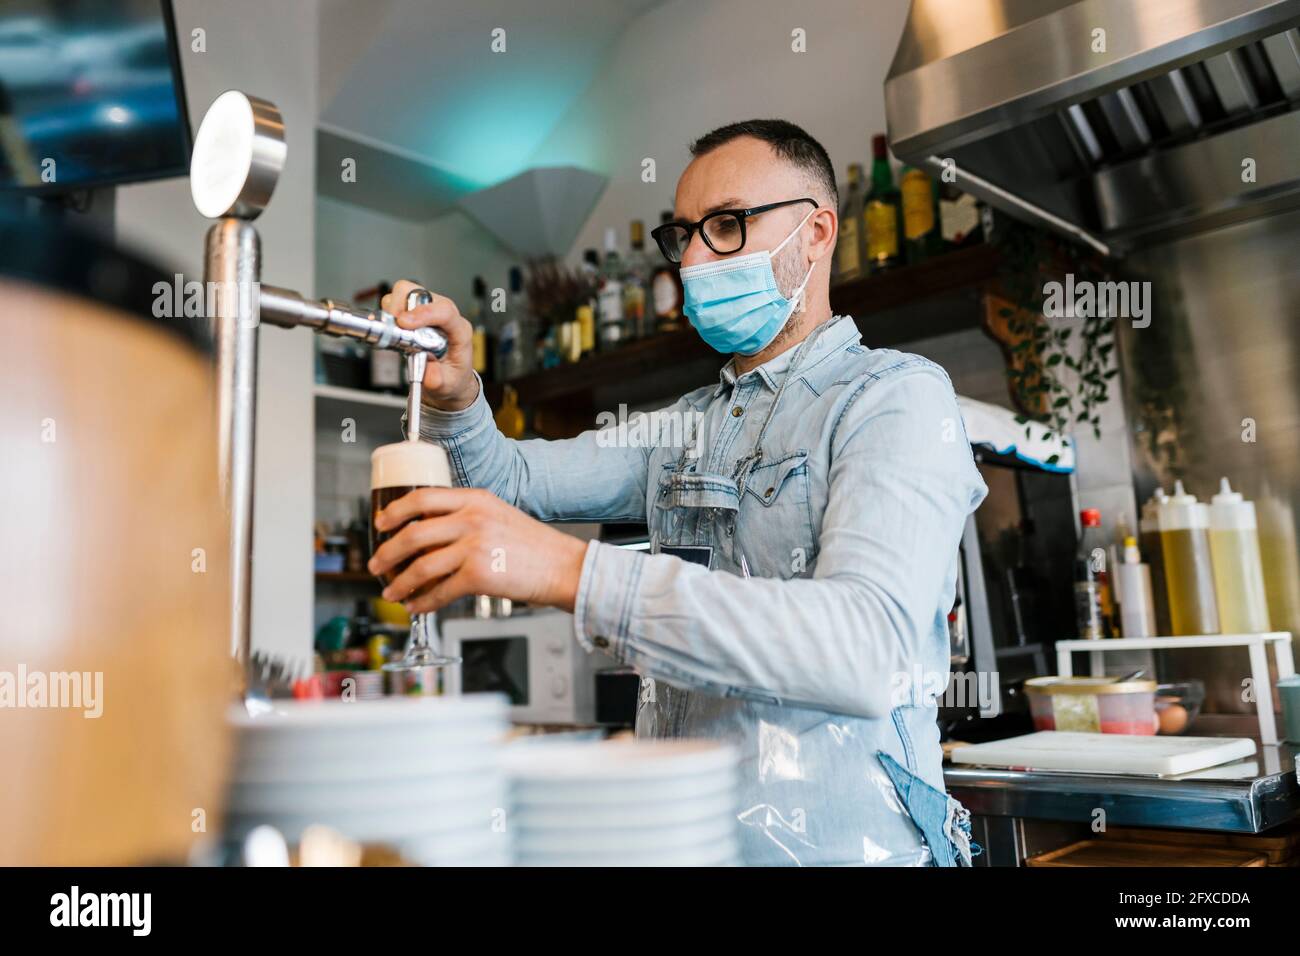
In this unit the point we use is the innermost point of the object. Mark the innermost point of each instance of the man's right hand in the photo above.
(449, 384)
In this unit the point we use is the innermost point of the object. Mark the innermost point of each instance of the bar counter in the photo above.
(1017, 813)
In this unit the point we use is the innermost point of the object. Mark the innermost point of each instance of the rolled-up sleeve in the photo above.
(902, 482)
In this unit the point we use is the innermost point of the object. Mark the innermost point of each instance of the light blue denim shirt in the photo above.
(833, 550)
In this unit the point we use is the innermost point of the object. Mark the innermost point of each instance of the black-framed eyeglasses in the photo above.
(723, 230)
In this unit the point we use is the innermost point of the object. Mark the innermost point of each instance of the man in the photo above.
(804, 543)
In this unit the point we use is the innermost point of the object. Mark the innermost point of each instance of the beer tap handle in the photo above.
(415, 365)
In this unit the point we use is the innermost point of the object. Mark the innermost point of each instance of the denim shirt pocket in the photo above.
(943, 821)
(682, 494)
(782, 526)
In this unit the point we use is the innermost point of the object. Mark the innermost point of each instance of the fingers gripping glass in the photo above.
(723, 231)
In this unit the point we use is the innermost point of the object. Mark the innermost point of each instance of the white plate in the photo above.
(353, 748)
(620, 793)
(624, 816)
(649, 839)
(294, 716)
(724, 854)
(428, 792)
(471, 849)
(621, 760)
(380, 824)
(362, 765)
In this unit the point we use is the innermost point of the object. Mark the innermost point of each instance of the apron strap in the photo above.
(747, 464)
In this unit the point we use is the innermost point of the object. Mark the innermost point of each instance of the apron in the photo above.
(695, 519)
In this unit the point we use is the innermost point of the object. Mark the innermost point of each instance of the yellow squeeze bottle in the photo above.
(1238, 573)
(1189, 577)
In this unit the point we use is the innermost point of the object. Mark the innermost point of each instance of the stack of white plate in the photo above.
(623, 803)
(422, 775)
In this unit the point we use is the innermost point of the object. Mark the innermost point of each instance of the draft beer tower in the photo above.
(238, 155)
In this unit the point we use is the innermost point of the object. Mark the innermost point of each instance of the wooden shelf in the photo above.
(910, 303)
(954, 272)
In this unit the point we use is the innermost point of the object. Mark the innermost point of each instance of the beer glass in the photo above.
(397, 470)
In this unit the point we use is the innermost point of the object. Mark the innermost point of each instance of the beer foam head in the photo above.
(409, 464)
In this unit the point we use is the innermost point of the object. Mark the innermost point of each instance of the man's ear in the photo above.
(826, 228)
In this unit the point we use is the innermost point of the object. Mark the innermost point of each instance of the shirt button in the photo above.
(737, 412)
(768, 493)
(600, 641)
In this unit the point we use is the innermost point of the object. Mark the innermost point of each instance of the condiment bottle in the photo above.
(1238, 573)
(1092, 595)
(1133, 578)
(1189, 575)
(1151, 549)
(1281, 557)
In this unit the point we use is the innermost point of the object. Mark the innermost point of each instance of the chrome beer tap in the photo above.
(238, 156)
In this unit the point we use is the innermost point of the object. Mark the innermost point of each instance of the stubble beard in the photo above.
(789, 268)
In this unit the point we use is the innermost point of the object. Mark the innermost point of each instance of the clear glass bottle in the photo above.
(482, 339)
(1094, 608)
(666, 290)
(921, 238)
(848, 247)
(1238, 573)
(512, 353)
(882, 215)
(1189, 573)
(612, 329)
(636, 276)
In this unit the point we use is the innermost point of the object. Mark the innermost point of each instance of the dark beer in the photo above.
(397, 470)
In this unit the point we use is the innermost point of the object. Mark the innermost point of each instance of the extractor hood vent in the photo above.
(1117, 121)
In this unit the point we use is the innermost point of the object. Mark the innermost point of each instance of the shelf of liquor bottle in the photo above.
(952, 272)
(907, 304)
(653, 355)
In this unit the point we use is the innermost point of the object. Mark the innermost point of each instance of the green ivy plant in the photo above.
(1030, 259)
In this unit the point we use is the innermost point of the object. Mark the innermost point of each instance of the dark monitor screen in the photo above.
(90, 94)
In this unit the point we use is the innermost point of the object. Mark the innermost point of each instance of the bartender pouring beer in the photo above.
(804, 534)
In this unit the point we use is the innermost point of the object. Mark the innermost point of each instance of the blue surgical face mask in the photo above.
(735, 304)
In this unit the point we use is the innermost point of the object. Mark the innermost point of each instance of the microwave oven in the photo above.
(533, 658)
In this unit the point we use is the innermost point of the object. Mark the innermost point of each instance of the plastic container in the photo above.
(1189, 574)
(1281, 557)
(1093, 705)
(1289, 690)
(1238, 573)
(1133, 581)
(1153, 553)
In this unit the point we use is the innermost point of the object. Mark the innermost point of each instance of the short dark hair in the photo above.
(790, 142)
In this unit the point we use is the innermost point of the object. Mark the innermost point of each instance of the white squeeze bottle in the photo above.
(1137, 610)
(1238, 573)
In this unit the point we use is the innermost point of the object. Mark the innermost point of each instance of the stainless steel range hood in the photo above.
(1122, 122)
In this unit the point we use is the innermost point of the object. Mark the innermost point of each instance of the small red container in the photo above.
(1093, 705)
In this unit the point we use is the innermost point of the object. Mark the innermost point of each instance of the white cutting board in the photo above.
(1106, 753)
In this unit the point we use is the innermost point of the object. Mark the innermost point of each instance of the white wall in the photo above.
(357, 247)
(267, 49)
(665, 81)
(688, 67)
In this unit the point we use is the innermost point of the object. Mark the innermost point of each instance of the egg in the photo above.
(1173, 719)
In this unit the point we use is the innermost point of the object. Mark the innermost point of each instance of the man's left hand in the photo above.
(468, 541)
